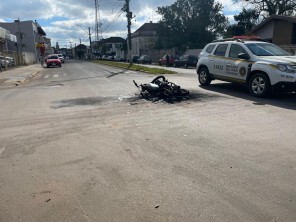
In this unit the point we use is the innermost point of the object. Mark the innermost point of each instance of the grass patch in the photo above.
(136, 67)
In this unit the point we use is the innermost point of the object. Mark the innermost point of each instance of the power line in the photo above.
(114, 19)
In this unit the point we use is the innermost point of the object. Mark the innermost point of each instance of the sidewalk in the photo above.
(18, 75)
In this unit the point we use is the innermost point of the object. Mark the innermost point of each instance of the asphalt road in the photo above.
(76, 144)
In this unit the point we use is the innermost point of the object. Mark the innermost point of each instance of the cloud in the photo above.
(229, 6)
(65, 20)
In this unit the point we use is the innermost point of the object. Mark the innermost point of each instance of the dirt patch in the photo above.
(2, 81)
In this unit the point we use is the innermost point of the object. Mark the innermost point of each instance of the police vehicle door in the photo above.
(218, 60)
(236, 68)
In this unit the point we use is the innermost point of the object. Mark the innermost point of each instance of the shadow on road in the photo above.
(121, 72)
(283, 100)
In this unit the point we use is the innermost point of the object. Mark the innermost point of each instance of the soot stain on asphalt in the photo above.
(196, 96)
(90, 101)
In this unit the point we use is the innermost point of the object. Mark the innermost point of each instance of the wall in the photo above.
(294, 34)
(30, 38)
(29, 58)
(266, 32)
(135, 46)
(156, 54)
(116, 49)
(142, 43)
(282, 32)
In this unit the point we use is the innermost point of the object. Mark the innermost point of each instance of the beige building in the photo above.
(144, 38)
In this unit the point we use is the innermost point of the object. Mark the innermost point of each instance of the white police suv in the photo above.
(263, 66)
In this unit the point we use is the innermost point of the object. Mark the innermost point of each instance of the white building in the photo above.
(29, 36)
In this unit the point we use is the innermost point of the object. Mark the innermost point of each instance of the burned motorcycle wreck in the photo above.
(161, 89)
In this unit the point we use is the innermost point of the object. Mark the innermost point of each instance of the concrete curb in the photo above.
(27, 78)
(19, 75)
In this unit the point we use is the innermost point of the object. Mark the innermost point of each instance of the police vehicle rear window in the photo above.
(221, 50)
(210, 48)
(235, 50)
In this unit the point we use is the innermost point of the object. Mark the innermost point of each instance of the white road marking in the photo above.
(46, 77)
(1, 151)
(56, 75)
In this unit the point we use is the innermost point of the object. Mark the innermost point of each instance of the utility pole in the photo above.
(89, 42)
(74, 56)
(21, 40)
(96, 21)
(129, 16)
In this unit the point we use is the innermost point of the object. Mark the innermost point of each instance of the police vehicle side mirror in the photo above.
(243, 56)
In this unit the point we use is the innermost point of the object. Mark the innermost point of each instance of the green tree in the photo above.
(272, 7)
(234, 30)
(246, 21)
(190, 23)
(247, 18)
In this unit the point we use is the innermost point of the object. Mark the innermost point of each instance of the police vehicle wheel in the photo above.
(204, 77)
(259, 85)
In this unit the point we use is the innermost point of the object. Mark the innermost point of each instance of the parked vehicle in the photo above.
(171, 60)
(61, 57)
(186, 61)
(110, 58)
(104, 57)
(262, 66)
(145, 59)
(5, 61)
(11, 60)
(53, 60)
(135, 59)
(118, 59)
(2, 61)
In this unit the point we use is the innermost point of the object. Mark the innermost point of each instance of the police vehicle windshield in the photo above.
(265, 49)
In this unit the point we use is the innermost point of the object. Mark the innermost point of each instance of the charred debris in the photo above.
(160, 89)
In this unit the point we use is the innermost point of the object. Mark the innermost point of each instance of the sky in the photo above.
(67, 21)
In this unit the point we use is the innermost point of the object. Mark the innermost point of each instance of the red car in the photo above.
(53, 60)
(163, 60)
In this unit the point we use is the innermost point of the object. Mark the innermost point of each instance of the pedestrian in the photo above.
(167, 60)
